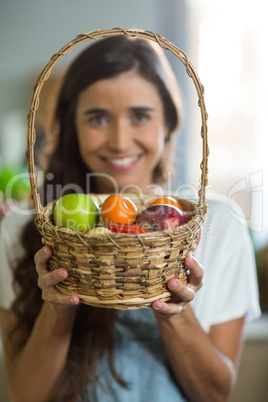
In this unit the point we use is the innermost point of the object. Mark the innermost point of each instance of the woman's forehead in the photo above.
(129, 86)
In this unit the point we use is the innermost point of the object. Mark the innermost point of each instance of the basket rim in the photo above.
(100, 34)
(44, 223)
(105, 268)
(131, 303)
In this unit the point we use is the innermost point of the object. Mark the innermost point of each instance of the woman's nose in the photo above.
(119, 137)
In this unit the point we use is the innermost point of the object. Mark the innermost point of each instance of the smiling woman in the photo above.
(117, 134)
(113, 113)
(117, 113)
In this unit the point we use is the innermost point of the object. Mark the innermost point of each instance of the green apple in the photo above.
(76, 211)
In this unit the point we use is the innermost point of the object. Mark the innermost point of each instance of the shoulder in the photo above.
(224, 215)
(219, 205)
(11, 250)
(225, 231)
(12, 225)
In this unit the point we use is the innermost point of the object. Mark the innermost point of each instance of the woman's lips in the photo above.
(121, 164)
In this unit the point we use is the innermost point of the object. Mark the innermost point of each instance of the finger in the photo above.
(168, 308)
(52, 278)
(196, 271)
(184, 292)
(41, 258)
(53, 295)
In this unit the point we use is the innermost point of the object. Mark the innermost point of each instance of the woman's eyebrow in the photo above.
(142, 109)
(95, 110)
(132, 109)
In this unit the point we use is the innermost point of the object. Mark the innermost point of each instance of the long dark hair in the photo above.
(92, 331)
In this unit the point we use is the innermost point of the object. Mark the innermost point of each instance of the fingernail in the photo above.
(173, 283)
(190, 259)
(74, 299)
(157, 305)
(62, 274)
(46, 250)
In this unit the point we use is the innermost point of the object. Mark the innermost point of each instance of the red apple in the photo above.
(160, 217)
(126, 228)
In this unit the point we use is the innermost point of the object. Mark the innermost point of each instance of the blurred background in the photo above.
(226, 40)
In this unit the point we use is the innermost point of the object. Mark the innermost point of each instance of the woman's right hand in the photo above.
(48, 280)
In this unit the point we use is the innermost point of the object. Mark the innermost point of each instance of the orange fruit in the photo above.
(167, 200)
(118, 209)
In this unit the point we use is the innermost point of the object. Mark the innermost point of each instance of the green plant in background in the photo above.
(14, 183)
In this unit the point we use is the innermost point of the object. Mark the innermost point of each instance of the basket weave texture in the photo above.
(120, 271)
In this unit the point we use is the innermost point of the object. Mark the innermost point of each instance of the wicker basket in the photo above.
(120, 271)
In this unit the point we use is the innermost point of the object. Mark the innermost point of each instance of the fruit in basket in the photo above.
(126, 228)
(167, 200)
(76, 211)
(160, 217)
(117, 208)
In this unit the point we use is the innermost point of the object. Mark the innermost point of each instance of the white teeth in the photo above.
(123, 161)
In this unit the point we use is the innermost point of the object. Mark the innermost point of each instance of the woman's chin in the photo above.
(111, 185)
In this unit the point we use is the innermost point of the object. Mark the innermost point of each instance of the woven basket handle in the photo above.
(99, 34)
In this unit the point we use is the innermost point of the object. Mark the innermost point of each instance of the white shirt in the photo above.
(229, 287)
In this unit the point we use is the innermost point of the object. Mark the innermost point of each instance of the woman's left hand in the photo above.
(182, 294)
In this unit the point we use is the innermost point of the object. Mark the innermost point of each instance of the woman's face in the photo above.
(121, 131)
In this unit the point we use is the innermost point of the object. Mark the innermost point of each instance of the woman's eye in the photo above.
(140, 117)
(98, 120)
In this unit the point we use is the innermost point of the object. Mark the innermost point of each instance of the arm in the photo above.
(37, 369)
(203, 364)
